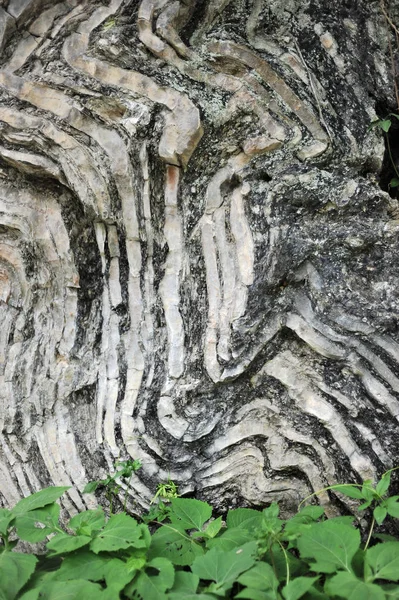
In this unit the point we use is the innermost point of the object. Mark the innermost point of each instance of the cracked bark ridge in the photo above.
(198, 267)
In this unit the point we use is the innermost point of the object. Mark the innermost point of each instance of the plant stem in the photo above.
(390, 156)
(126, 492)
(287, 565)
(370, 533)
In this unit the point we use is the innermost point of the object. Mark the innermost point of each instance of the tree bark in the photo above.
(199, 267)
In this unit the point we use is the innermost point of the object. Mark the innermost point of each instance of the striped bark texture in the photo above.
(199, 265)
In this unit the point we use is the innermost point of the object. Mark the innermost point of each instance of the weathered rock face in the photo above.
(198, 267)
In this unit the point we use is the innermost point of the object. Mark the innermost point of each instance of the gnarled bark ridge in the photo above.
(198, 267)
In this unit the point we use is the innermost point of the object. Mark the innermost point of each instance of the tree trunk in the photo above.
(199, 263)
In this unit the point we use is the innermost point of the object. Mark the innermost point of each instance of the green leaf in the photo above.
(117, 574)
(392, 505)
(383, 485)
(296, 588)
(225, 567)
(213, 528)
(89, 520)
(91, 487)
(174, 544)
(38, 500)
(83, 565)
(346, 585)
(332, 545)
(188, 596)
(189, 514)
(313, 512)
(120, 532)
(26, 524)
(349, 490)
(260, 577)
(185, 582)
(153, 586)
(365, 505)
(246, 518)
(391, 591)
(15, 569)
(385, 124)
(254, 594)
(379, 514)
(62, 543)
(232, 538)
(6, 517)
(71, 590)
(382, 561)
(367, 490)
(394, 182)
(308, 515)
(30, 595)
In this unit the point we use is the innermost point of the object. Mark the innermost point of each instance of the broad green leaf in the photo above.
(308, 515)
(63, 543)
(83, 565)
(26, 524)
(367, 490)
(382, 561)
(332, 546)
(246, 518)
(71, 590)
(6, 517)
(379, 514)
(313, 512)
(15, 571)
(120, 532)
(30, 595)
(153, 586)
(89, 521)
(296, 588)
(393, 506)
(349, 490)
(260, 577)
(38, 500)
(383, 484)
(364, 505)
(225, 567)
(394, 182)
(232, 538)
(271, 511)
(189, 514)
(254, 594)
(278, 561)
(188, 596)
(349, 587)
(118, 574)
(185, 582)
(315, 594)
(174, 544)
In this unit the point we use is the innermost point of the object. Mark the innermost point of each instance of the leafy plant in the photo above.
(385, 126)
(254, 555)
(126, 471)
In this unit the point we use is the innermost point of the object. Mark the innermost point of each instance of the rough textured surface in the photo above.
(198, 266)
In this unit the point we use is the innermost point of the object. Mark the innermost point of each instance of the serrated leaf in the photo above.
(38, 500)
(246, 518)
(382, 561)
(384, 483)
(91, 520)
(260, 577)
(297, 587)
(6, 517)
(83, 565)
(224, 567)
(346, 585)
(71, 590)
(174, 544)
(149, 585)
(332, 545)
(232, 538)
(120, 532)
(62, 543)
(15, 569)
(189, 513)
(349, 490)
(26, 524)
(379, 514)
